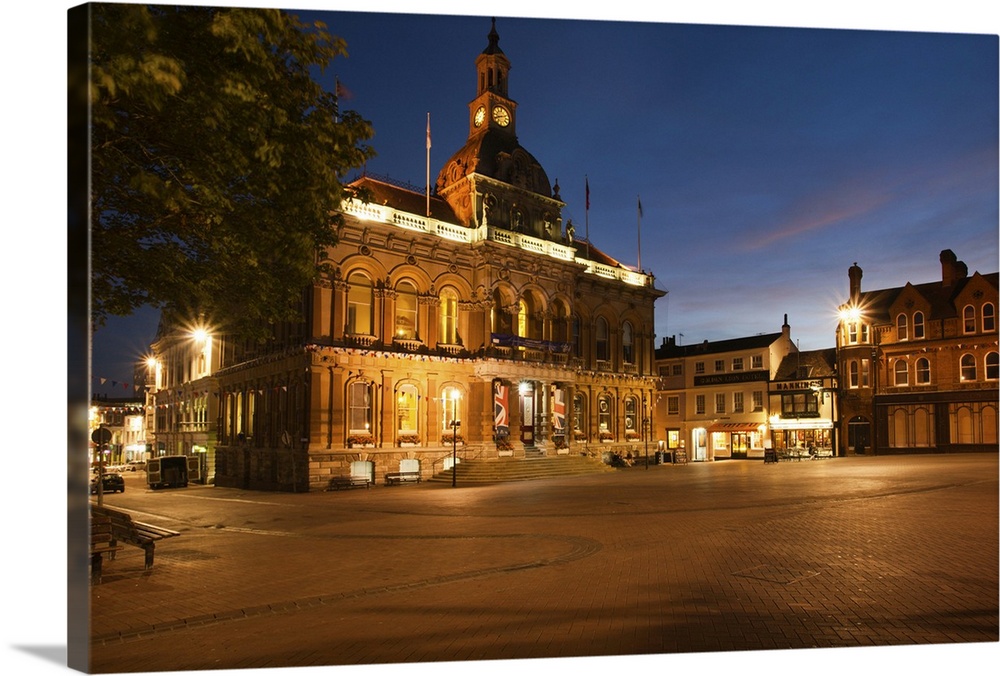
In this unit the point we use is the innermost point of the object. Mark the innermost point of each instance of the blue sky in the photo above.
(768, 159)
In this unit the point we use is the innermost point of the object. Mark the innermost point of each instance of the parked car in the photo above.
(112, 481)
(136, 465)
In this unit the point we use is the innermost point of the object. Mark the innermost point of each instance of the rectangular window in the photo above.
(758, 401)
(720, 365)
(800, 404)
(757, 361)
(360, 408)
(678, 369)
(699, 404)
(673, 405)
(737, 363)
(720, 403)
(699, 367)
(864, 373)
(737, 402)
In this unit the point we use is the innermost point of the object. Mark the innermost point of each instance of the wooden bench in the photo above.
(100, 544)
(401, 477)
(136, 533)
(339, 482)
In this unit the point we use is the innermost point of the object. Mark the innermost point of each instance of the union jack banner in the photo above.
(500, 418)
(559, 410)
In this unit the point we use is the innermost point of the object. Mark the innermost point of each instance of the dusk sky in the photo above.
(767, 160)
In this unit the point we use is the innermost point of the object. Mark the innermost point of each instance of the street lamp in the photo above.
(454, 424)
(454, 449)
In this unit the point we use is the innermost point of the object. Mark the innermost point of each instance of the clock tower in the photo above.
(492, 108)
(492, 180)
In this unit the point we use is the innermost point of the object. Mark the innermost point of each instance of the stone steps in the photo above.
(499, 470)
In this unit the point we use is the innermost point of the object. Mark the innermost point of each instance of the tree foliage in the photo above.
(216, 162)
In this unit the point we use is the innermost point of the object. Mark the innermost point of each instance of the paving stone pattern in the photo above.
(724, 556)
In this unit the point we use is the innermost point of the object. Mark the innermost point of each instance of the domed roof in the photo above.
(498, 155)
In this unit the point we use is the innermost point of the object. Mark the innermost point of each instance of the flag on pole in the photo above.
(559, 409)
(640, 205)
(500, 419)
(428, 131)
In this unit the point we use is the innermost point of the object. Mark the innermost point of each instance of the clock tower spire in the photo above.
(492, 108)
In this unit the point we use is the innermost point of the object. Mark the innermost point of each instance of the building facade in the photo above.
(125, 421)
(469, 323)
(803, 402)
(919, 364)
(713, 397)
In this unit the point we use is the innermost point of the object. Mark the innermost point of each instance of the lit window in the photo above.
(360, 297)
(406, 311)
(406, 410)
(630, 415)
(968, 368)
(360, 407)
(604, 414)
(448, 309)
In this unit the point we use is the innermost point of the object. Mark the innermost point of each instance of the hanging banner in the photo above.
(501, 420)
(559, 409)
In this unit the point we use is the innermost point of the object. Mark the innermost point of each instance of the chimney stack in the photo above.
(952, 269)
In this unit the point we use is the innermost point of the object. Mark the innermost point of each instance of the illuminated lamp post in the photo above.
(454, 424)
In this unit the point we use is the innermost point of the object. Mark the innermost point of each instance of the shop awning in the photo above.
(734, 427)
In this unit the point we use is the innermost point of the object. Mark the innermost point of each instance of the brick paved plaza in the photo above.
(676, 560)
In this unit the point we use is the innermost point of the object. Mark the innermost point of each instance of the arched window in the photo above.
(923, 371)
(628, 355)
(918, 325)
(522, 318)
(989, 318)
(360, 304)
(604, 414)
(579, 413)
(406, 311)
(560, 321)
(359, 404)
(631, 419)
(501, 319)
(451, 408)
(901, 373)
(902, 332)
(406, 410)
(968, 368)
(448, 310)
(992, 366)
(603, 348)
(969, 319)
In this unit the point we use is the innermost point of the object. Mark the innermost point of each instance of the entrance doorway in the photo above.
(527, 404)
(859, 435)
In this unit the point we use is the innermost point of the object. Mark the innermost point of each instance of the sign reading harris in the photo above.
(731, 378)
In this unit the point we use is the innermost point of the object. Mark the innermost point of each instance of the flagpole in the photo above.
(638, 230)
(586, 217)
(428, 165)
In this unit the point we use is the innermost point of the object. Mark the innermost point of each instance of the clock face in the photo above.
(501, 116)
(480, 116)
